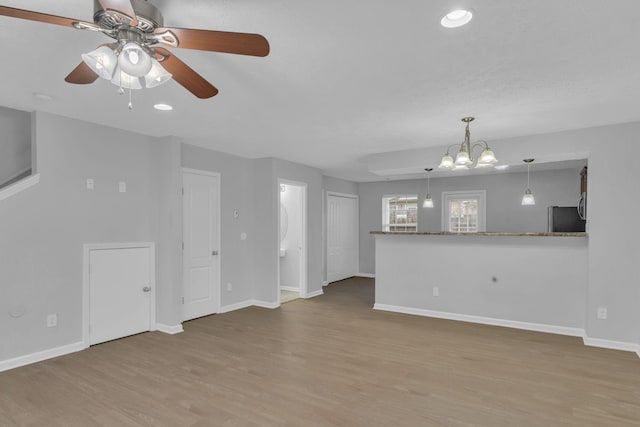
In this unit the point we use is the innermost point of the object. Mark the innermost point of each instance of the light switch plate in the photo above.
(122, 187)
(89, 184)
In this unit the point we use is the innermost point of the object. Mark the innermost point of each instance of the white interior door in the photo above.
(342, 237)
(120, 293)
(201, 244)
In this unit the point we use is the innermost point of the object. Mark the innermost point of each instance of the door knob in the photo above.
(146, 289)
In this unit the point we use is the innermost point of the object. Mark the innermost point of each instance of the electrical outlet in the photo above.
(436, 291)
(89, 184)
(52, 320)
(122, 187)
(229, 287)
(602, 313)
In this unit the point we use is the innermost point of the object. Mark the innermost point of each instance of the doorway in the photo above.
(201, 240)
(292, 248)
(342, 236)
(119, 291)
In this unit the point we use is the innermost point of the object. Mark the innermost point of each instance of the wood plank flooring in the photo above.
(327, 361)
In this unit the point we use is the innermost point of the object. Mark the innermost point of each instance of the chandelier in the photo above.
(464, 159)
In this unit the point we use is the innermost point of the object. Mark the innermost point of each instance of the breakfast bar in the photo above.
(534, 281)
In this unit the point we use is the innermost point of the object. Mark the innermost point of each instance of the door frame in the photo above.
(326, 229)
(304, 224)
(218, 231)
(86, 285)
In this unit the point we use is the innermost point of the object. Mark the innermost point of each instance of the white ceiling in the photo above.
(348, 79)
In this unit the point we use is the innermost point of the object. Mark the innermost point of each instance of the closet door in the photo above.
(342, 236)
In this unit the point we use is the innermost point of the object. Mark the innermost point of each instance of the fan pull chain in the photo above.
(130, 104)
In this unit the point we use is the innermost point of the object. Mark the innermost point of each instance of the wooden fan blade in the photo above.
(185, 75)
(122, 7)
(214, 41)
(81, 75)
(40, 17)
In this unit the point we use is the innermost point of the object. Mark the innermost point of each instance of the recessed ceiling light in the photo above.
(163, 107)
(42, 96)
(456, 18)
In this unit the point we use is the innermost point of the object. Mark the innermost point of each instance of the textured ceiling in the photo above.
(348, 79)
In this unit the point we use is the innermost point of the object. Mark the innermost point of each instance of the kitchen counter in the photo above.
(484, 233)
(507, 279)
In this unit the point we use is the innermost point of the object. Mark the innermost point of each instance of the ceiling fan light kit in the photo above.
(135, 61)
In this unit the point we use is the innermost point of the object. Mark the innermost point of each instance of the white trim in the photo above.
(200, 172)
(304, 238)
(539, 327)
(289, 288)
(369, 275)
(39, 356)
(325, 253)
(218, 226)
(324, 283)
(169, 329)
(613, 345)
(265, 304)
(17, 174)
(86, 302)
(313, 294)
(19, 186)
(236, 306)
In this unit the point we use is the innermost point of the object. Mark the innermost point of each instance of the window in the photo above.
(463, 211)
(400, 213)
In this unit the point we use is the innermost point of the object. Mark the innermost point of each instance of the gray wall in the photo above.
(44, 228)
(503, 209)
(15, 143)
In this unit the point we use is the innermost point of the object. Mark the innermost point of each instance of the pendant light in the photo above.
(428, 201)
(528, 199)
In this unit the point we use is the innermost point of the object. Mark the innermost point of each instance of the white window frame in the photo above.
(385, 217)
(480, 195)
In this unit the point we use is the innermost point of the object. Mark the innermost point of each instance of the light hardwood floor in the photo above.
(330, 360)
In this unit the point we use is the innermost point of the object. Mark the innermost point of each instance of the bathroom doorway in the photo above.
(292, 226)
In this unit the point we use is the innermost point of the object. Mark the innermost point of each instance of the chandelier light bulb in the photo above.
(446, 162)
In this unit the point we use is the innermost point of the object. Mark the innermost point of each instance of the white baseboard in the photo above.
(314, 294)
(39, 356)
(369, 275)
(264, 304)
(236, 306)
(613, 345)
(539, 327)
(324, 283)
(169, 329)
(290, 288)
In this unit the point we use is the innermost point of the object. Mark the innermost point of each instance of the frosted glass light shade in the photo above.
(487, 158)
(102, 61)
(133, 60)
(446, 162)
(428, 202)
(462, 159)
(124, 80)
(157, 75)
(528, 199)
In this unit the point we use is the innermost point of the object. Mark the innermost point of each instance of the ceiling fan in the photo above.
(135, 60)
